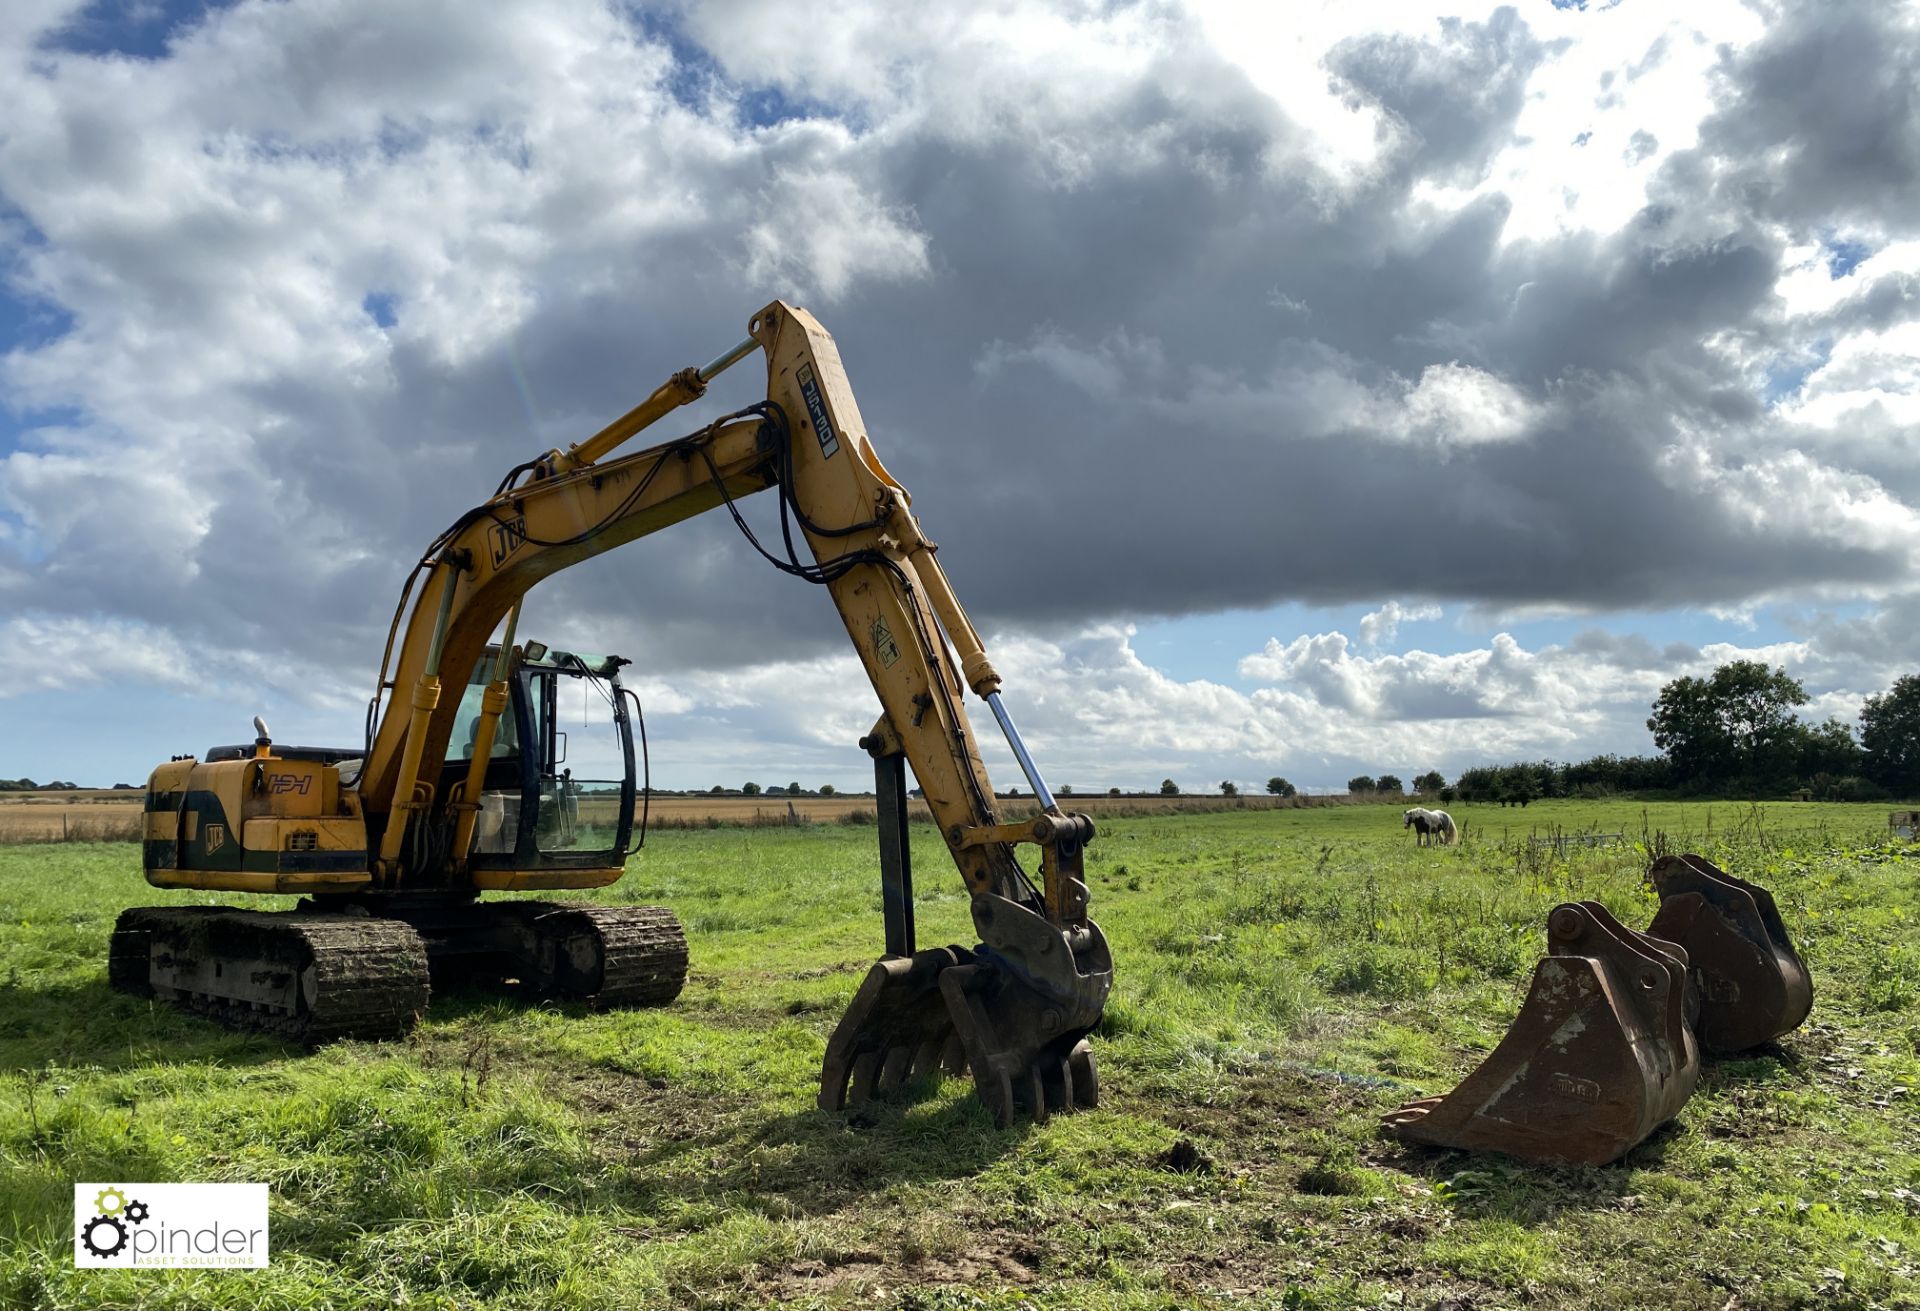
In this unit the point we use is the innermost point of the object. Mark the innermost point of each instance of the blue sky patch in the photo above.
(381, 307)
(25, 324)
(25, 321)
(1844, 256)
(134, 29)
(696, 75)
(1789, 373)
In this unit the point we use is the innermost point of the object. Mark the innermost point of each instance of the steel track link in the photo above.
(615, 955)
(313, 978)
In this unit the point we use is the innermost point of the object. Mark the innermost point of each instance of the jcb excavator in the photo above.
(459, 792)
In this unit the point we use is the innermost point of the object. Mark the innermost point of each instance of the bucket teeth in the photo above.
(896, 1030)
(1599, 1056)
(1751, 984)
(950, 1011)
(1022, 1060)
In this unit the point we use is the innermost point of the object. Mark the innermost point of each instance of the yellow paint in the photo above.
(522, 880)
(329, 834)
(236, 880)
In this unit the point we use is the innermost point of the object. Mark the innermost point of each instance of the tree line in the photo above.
(1733, 732)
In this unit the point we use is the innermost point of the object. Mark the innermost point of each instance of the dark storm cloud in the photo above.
(1254, 335)
(1630, 650)
(1819, 122)
(1456, 93)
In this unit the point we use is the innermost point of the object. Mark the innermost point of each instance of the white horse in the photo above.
(1431, 825)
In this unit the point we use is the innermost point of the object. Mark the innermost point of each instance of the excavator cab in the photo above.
(538, 808)
(538, 815)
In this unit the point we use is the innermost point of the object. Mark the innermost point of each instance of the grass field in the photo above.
(114, 816)
(1282, 978)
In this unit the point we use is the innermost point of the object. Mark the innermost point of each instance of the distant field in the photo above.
(1281, 978)
(85, 816)
(106, 816)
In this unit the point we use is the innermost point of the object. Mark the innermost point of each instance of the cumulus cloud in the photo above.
(1456, 404)
(1378, 627)
(1450, 95)
(1307, 394)
(94, 653)
(1127, 292)
(1319, 709)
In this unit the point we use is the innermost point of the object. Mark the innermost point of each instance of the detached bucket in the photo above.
(1598, 1058)
(1751, 983)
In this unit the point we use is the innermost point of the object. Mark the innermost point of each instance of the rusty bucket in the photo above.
(1751, 984)
(1598, 1058)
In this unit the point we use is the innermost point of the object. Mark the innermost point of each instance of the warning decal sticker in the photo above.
(883, 644)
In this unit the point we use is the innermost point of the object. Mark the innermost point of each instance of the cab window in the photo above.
(506, 739)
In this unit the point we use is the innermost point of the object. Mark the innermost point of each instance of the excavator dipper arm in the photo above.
(1015, 1008)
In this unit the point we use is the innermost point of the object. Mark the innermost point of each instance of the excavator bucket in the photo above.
(896, 1030)
(1014, 1010)
(1751, 984)
(1598, 1058)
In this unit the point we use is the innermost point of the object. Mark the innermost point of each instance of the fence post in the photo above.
(63, 826)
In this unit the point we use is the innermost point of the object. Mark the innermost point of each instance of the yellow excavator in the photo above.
(461, 788)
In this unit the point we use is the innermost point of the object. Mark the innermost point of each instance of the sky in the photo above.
(1293, 390)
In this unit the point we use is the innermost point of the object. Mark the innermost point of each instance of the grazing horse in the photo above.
(1431, 825)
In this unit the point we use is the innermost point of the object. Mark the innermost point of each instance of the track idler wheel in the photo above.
(610, 956)
(1598, 1058)
(1751, 984)
(1014, 1010)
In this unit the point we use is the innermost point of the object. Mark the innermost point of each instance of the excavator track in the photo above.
(606, 956)
(313, 978)
(643, 953)
(317, 975)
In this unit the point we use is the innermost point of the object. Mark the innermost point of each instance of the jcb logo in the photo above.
(281, 784)
(506, 538)
(216, 837)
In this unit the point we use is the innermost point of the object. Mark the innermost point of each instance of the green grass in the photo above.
(1281, 979)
